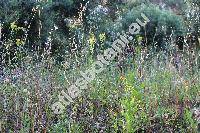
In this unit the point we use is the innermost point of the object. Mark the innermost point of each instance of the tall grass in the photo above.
(154, 93)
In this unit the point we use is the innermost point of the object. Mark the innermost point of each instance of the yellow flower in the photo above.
(133, 99)
(128, 88)
(19, 42)
(115, 114)
(139, 38)
(20, 28)
(122, 78)
(92, 39)
(102, 37)
(13, 26)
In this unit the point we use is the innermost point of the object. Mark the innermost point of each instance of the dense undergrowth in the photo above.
(153, 86)
(150, 94)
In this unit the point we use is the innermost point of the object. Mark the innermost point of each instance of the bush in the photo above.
(162, 22)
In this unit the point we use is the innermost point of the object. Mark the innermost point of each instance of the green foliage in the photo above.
(188, 118)
(145, 92)
(161, 20)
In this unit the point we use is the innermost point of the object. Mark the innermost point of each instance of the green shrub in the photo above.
(162, 23)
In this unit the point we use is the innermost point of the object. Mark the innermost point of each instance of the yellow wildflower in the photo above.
(122, 78)
(102, 37)
(13, 26)
(92, 39)
(139, 38)
(19, 42)
(20, 28)
(128, 88)
(133, 99)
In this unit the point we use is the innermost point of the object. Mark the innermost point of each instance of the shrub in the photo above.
(162, 22)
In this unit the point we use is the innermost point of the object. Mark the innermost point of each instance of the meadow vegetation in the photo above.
(153, 86)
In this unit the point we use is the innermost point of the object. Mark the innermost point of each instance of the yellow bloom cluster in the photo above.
(19, 42)
(139, 38)
(122, 78)
(92, 40)
(13, 26)
(102, 37)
